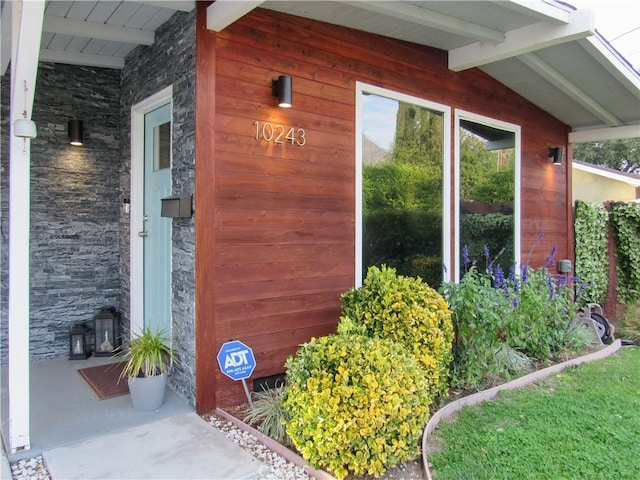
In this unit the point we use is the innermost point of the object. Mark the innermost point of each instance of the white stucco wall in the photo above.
(593, 188)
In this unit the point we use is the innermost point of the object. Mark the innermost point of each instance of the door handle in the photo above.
(144, 233)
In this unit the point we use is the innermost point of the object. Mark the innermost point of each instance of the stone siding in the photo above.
(74, 204)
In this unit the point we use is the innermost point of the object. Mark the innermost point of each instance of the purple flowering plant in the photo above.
(529, 310)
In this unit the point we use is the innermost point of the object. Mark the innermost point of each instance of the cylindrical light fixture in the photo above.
(283, 89)
(75, 132)
(556, 154)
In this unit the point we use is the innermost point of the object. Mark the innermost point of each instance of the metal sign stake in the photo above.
(246, 391)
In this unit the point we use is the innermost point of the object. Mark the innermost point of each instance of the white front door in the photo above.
(150, 240)
(157, 230)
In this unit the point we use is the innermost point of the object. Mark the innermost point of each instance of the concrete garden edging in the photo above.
(491, 393)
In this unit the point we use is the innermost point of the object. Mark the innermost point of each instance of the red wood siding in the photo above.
(275, 223)
(204, 214)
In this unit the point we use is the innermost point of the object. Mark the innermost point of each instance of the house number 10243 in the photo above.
(280, 134)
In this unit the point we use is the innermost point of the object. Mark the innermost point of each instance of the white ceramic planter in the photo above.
(147, 394)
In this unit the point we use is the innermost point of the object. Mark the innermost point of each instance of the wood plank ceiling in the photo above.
(102, 33)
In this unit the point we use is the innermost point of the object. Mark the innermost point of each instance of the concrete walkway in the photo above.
(179, 447)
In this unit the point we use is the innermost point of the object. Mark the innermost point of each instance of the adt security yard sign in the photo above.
(236, 361)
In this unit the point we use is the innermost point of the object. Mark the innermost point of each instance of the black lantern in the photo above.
(106, 325)
(80, 342)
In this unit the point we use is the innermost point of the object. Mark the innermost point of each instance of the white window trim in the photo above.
(491, 122)
(446, 174)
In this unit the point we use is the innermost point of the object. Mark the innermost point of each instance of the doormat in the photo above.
(105, 381)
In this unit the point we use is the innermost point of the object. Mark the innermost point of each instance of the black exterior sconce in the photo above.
(556, 154)
(74, 128)
(283, 89)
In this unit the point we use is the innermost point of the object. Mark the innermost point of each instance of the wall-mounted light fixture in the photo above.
(282, 88)
(23, 127)
(75, 132)
(556, 154)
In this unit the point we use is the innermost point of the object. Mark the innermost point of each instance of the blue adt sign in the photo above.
(236, 360)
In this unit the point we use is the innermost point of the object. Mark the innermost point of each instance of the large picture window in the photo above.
(487, 192)
(403, 185)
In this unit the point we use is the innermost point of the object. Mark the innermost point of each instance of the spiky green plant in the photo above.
(147, 354)
(511, 361)
(268, 415)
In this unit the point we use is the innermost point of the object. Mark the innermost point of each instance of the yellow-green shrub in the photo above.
(356, 405)
(408, 311)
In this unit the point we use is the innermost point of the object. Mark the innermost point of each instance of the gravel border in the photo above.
(30, 469)
(275, 447)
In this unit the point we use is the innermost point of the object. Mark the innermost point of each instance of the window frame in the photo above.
(502, 125)
(445, 110)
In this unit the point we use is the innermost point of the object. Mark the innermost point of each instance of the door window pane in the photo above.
(162, 146)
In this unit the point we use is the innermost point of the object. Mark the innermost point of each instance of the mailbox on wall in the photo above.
(177, 206)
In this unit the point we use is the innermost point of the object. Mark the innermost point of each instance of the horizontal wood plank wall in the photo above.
(284, 215)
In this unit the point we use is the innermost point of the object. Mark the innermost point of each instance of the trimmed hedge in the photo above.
(408, 311)
(356, 405)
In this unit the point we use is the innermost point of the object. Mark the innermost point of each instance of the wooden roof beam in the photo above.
(429, 18)
(561, 82)
(524, 40)
(101, 31)
(222, 13)
(602, 134)
(70, 58)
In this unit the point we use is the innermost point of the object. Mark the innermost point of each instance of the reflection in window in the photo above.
(402, 187)
(487, 195)
(162, 146)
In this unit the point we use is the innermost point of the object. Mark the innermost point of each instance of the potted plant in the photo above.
(148, 359)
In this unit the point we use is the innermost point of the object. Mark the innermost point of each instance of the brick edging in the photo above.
(491, 393)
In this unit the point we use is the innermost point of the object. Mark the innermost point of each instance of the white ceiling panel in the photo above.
(59, 42)
(102, 11)
(77, 44)
(123, 14)
(95, 46)
(142, 17)
(58, 9)
(80, 10)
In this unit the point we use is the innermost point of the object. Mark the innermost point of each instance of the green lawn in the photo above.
(583, 423)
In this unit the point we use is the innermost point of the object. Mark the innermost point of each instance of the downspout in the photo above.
(571, 246)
